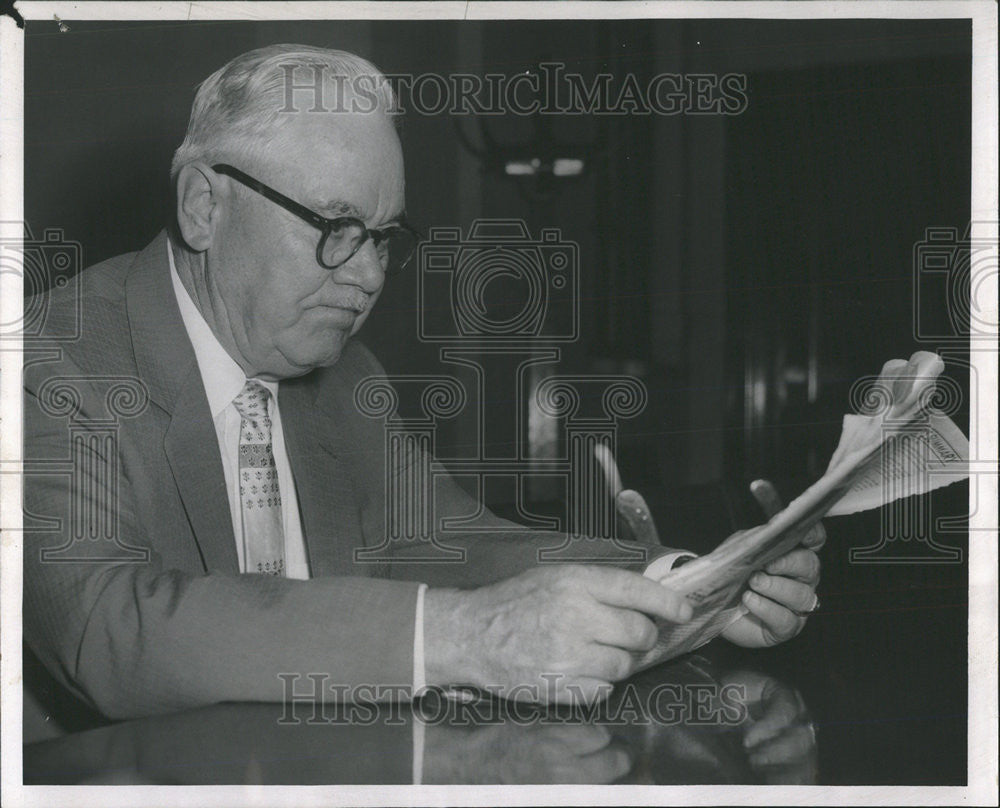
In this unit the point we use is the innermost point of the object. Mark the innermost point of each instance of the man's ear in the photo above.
(199, 193)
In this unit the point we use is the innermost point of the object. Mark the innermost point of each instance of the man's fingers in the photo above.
(623, 628)
(781, 710)
(816, 537)
(767, 497)
(581, 689)
(597, 768)
(580, 739)
(794, 595)
(787, 748)
(800, 564)
(604, 766)
(609, 663)
(630, 590)
(778, 620)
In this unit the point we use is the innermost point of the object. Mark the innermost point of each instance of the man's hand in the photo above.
(780, 597)
(550, 633)
(510, 752)
(778, 736)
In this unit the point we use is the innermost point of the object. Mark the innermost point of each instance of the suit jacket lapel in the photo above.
(192, 449)
(166, 362)
(323, 482)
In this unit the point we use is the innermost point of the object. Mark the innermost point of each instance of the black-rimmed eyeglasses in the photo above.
(342, 236)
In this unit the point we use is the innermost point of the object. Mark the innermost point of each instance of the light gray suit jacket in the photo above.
(170, 623)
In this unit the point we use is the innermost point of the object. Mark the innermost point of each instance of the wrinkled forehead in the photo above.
(339, 158)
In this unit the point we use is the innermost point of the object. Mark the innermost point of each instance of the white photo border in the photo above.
(982, 662)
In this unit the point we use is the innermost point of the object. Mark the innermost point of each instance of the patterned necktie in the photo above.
(260, 497)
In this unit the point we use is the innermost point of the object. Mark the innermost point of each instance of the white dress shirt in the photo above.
(224, 379)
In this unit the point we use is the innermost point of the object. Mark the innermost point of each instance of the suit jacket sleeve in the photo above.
(498, 548)
(135, 637)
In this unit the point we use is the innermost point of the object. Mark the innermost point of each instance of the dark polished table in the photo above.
(686, 722)
(874, 691)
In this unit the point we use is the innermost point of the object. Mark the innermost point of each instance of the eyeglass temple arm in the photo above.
(279, 199)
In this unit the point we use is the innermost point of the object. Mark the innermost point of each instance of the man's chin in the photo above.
(330, 355)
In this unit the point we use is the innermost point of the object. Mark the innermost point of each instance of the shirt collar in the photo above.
(222, 376)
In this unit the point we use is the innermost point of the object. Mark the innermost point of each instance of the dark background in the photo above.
(716, 252)
(748, 268)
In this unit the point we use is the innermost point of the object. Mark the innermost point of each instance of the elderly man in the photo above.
(239, 492)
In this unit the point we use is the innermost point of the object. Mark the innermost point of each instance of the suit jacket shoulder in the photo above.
(132, 596)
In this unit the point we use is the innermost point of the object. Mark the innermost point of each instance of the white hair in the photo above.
(240, 106)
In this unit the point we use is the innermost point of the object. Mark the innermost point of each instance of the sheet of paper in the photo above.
(902, 450)
(929, 454)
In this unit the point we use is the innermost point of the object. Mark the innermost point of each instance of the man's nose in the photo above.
(363, 270)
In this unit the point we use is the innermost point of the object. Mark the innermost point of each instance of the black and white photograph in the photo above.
(499, 403)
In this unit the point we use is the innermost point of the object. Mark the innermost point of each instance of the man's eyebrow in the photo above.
(338, 207)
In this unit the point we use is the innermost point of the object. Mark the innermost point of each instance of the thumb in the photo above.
(767, 497)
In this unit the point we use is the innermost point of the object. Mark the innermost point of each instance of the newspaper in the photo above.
(904, 447)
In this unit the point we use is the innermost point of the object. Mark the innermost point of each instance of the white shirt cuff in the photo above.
(659, 567)
(419, 678)
(419, 683)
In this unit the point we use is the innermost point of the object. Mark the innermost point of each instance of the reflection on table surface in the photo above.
(686, 722)
(882, 669)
